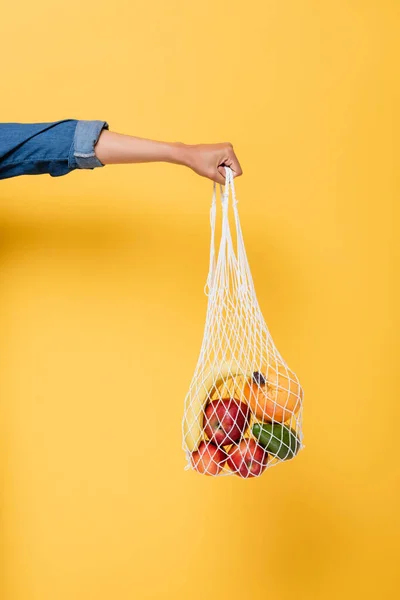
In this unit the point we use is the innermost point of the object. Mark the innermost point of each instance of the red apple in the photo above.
(248, 459)
(208, 459)
(225, 421)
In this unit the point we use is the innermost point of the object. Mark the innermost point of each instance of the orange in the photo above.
(274, 394)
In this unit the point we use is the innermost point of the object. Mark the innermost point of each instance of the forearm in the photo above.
(115, 148)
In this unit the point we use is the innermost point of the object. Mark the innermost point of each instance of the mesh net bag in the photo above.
(243, 410)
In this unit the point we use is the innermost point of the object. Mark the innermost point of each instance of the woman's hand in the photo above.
(210, 160)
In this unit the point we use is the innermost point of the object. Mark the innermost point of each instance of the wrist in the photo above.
(179, 154)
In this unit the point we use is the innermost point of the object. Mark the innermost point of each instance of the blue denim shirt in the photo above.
(54, 148)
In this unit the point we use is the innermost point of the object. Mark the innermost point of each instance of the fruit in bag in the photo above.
(279, 440)
(248, 459)
(274, 394)
(193, 422)
(225, 421)
(208, 459)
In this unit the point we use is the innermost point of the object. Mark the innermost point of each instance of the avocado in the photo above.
(279, 440)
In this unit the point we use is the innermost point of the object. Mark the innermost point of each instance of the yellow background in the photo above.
(102, 306)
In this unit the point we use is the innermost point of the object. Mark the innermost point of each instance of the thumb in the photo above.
(219, 176)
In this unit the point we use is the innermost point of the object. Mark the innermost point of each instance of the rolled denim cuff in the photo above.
(86, 136)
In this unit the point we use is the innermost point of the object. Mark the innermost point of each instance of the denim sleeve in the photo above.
(54, 148)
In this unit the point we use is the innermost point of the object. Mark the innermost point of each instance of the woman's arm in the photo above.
(61, 147)
(207, 160)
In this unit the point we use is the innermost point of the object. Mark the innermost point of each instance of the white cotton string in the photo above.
(236, 344)
(243, 274)
(213, 214)
(227, 192)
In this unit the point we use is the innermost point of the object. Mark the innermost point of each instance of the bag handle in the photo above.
(239, 257)
(213, 218)
(242, 260)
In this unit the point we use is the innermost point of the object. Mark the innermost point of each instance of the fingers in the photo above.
(228, 159)
(232, 162)
(235, 166)
(219, 176)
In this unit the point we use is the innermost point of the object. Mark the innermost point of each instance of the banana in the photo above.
(193, 421)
